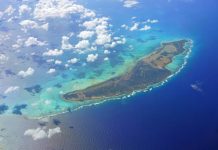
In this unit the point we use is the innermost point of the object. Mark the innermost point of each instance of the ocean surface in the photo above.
(179, 115)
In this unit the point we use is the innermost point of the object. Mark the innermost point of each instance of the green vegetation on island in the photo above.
(147, 71)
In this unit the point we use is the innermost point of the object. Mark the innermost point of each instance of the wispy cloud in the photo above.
(130, 3)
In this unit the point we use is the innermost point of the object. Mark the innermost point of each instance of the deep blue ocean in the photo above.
(173, 116)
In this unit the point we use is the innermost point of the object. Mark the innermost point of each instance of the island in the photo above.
(147, 71)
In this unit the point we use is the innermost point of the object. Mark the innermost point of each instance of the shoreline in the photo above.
(149, 70)
(188, 46)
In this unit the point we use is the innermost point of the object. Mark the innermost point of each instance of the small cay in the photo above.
(147, 71)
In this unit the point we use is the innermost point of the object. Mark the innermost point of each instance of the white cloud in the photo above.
(11, 89)
(65, 44)
(197, 86)
(125, 26)
(106, 59)
(30, 71)
(90, 25)
(59, 9)
(73, 60)
(134, 27)
(91, 57)
(100, 26)
(142, 26)
(36, 134)
(41, 133)
(3, 58)
(50, 60)
(116, 41)
(145, 28)
(24, 9)
(152, 21)
(107, 52)
(66, 65)
(44, 26)
(130, 3)
(88, 14)
(54, 52)
(86, 34)
(120, 40)
(83, 44)
(58, 62)
(93, 48)
(32, 41)
(103, 39)
(54, 131)
(29, 24)
(50, 71)
(9, 11)
(19, 43)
